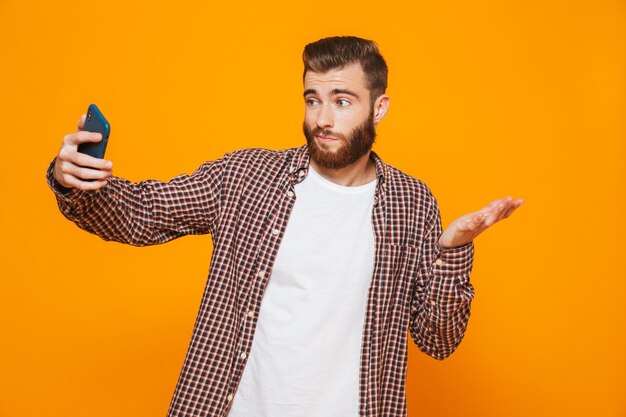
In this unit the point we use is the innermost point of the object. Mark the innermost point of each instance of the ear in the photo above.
(381, 105)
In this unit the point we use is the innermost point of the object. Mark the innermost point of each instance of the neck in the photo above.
(358, 173)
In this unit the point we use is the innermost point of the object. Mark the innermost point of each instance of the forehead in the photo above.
(350, 77)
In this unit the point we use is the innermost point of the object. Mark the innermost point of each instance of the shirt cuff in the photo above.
(456, 261)
(450, 286)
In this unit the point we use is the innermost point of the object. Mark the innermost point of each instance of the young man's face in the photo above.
(339, 120)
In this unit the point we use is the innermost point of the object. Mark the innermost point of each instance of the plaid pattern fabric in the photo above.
(243, 200)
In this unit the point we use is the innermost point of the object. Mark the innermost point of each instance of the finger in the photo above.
(494, 215)
(82, 136)
(70, 154)
(88, 161)
(475, 222)
(81, 122)
(497, 205)
(509, 205)
(489, 207)
(514, 206)
(85, 185)
(83, 173)
(65, 171)
(504, 213)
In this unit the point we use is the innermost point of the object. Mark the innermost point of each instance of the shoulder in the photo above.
(406, 186)
(260, 157)
(411, 196)
(258, 164)
(411, 206)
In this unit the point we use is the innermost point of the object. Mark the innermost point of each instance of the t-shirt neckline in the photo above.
(317, 177)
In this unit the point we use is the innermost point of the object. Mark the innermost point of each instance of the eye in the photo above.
(342, 102)
(310, 101)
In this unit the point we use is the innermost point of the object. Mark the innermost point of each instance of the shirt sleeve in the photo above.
(148, 212)
(440, 305)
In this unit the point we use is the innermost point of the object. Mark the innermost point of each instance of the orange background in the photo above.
(488, 99)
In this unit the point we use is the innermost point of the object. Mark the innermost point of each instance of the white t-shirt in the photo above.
(304, 359)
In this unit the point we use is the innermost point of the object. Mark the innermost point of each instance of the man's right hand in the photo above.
(73, 169)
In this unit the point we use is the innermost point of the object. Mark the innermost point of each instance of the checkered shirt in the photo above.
(243, 200)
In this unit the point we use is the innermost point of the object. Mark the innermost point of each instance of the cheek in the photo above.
(349, 120)
(309, 117)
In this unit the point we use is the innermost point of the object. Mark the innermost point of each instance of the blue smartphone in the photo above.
(95, 122)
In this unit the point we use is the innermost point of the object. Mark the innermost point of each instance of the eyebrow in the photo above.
(334, 92)
(338, 91)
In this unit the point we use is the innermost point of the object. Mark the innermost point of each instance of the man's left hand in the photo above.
(465, 229)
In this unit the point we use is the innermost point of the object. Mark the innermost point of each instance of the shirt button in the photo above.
(244, 356)
(433, 303)
(230, 397)
(250, 313)
(291, 169)
(290, 193)
(439, 262)
(261, 274)
(275, 232)
(301, 173)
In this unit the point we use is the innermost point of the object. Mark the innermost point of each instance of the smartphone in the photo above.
(95, 122)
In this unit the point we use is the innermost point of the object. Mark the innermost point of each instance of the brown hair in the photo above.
(339, 51)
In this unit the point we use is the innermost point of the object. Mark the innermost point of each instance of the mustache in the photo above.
(317, 131)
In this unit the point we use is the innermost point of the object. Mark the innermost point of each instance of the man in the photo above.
(353, 246)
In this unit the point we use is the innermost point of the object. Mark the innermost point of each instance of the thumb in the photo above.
(81, 122)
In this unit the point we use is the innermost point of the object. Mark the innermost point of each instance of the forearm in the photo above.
(440, 307)
(140, 214)
(441, 313)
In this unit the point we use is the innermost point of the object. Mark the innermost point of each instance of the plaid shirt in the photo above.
(243, 200)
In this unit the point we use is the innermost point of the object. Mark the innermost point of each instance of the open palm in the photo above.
(465, 229)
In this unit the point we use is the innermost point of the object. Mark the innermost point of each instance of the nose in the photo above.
(325, 118)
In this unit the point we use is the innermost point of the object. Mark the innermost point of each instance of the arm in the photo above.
(440, 307)
(144, 213)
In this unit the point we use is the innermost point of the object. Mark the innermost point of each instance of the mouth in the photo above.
(325, 139)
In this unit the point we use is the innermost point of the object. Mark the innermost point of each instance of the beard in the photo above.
(354, 145)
